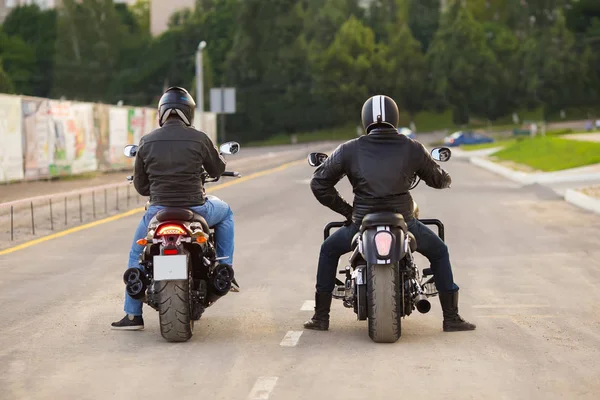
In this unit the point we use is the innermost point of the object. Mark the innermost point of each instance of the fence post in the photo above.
(32, 220)
(51, 219)
(12, 223)
(105, 201)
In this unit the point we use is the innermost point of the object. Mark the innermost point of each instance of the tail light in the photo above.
(170, 229)
(170, 252)
(383, 243)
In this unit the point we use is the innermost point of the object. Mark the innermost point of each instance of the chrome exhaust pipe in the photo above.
(423, 305)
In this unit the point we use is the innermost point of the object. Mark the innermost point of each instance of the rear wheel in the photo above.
(384, 302)
(174, 314)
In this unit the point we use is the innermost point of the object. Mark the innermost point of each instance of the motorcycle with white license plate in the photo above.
(181, 275)
(383, 284)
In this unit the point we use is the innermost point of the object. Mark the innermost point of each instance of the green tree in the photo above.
(354, 67)
(90, 36)
(423, 20)
(6, 85)
(505, 89)
(382, 15)
(408, 71)
(583, 18)
(460, 62)
(19, 62)
(323, 18)
(268, 65)
(37, 29)
(554, 69)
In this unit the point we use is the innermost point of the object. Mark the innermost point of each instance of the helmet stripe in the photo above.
(382, 100)
(376, 105)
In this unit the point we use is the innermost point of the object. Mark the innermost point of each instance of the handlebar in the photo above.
(231, 173)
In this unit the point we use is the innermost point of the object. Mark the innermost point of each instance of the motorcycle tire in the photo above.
(384, 300)
(174, 313)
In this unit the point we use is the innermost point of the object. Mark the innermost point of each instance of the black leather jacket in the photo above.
(379, 166)
(169, 162)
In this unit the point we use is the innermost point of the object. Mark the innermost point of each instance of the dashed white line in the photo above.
(291, 338)
(309, 305)
(263, 387)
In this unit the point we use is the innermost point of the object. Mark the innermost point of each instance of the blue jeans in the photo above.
(428, 244)
(217, 214)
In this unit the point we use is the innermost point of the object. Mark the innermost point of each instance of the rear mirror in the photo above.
(130, 150)
(441, 154)
(316, 159)
(230, 148)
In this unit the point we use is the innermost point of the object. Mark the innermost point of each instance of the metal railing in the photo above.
(42, 215)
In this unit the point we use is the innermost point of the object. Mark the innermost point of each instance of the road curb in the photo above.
(582, 200)
(520, 177)
(468, 154)
(582, 174)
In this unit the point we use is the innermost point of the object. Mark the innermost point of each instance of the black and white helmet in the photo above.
(380, 112)
(178, 101)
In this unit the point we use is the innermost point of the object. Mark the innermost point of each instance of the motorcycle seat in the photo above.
(394, 220)
(181, 214)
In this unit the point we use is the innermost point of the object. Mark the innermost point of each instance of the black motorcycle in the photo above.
(182, 275)
(382, 282)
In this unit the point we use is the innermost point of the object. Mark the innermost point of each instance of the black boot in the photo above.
(452, 321)
(320, 321)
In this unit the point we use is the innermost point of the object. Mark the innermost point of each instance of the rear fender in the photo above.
(369, 248)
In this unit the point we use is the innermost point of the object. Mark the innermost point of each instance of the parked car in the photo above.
(466, 137)
(407, 132)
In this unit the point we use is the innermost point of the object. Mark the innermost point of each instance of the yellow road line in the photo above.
(141, 209)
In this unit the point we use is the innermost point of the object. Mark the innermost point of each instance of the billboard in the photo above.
(11, 138)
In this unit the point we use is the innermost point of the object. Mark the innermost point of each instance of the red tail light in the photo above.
(170, 229)
(170, 252)
(383, 243)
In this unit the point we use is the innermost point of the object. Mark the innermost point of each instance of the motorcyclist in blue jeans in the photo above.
(380, 166)
(168, 168)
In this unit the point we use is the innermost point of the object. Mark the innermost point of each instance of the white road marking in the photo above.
(291, 338)
(512, 306)
(263, 387)
(304, 181)
(309, 305)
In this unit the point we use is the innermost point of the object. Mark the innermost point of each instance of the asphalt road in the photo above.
(527, 264)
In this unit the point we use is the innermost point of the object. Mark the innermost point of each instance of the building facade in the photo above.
(161, 11)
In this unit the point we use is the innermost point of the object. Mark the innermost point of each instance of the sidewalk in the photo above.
(586, 137)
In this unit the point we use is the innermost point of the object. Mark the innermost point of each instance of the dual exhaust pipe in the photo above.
(136, 283)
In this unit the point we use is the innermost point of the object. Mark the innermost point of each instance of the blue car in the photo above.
(407, 132)
(466, 137)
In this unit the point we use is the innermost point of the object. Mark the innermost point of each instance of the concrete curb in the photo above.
(583, 174)
(516, 176)
(582, 200)
(459, 153)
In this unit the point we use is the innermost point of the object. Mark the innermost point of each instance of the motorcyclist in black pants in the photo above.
(380, 166)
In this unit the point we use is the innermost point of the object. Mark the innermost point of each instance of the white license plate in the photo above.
(170, 268)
